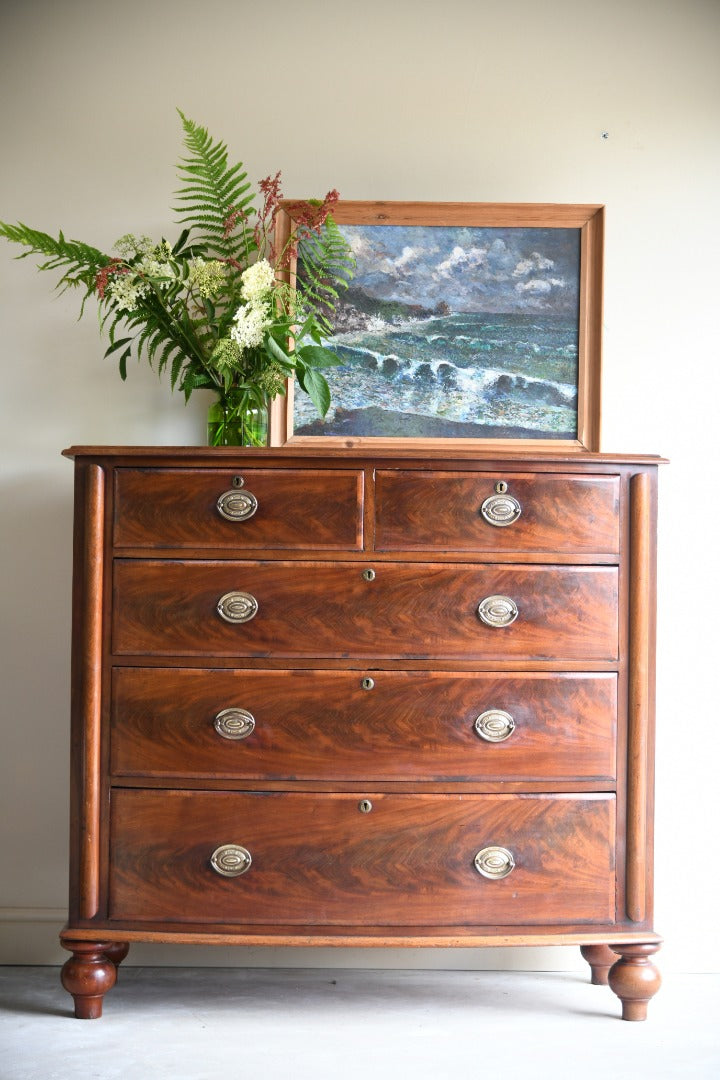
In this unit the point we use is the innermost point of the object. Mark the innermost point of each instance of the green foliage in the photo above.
(195, 310)
(79, 263)
(325, 265)
(212, 192)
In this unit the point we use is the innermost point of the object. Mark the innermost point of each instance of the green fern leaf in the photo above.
(78, 263)
(325, 262)
(211, 192)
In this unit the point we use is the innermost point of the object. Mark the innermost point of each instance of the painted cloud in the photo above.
(469, 269)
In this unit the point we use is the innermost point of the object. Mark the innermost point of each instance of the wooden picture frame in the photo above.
(542, 262)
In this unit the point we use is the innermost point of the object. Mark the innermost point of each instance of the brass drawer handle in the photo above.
(234, 723)
(237, 607)
(236, 505)
(494, 725)
(501, 510)
(494, 863)
(497, 611)
(230, 860)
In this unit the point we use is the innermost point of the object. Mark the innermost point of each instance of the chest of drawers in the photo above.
(365, 698)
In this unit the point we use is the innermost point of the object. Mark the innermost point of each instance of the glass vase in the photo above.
(232, 421)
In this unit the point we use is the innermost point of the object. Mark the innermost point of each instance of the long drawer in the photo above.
(259, 508)
(363, 726)
(381, 860)
(299, 609)
(516, 512)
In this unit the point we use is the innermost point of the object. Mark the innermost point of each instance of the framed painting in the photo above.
(463, 321)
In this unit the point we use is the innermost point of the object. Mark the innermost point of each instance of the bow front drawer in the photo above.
(239, 510)
(297, 609)
(533, 512)
(349, 725)
(302, 858)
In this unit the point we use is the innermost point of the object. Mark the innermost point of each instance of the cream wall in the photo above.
(461, 100)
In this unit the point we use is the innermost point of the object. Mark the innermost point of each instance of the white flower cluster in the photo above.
(207, 277)
(154, 268)
(253, 317)
(251, 322)
(125, 290)
(129, 245)
(257, 281)
(128, 288)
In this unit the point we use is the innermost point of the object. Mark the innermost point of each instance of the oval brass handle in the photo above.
(501, 510)
(230, 860)
(237, 607)
(497, 611)
(234, 723)
(494, 725)
(494, 862)
(236, 505)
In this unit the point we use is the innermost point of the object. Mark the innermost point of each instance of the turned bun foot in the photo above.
(600, 958)
(88, 975)
(634, 979)
(118, 951)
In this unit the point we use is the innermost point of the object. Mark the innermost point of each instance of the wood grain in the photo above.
(329, 610)
(155, 789)
(440, 511)
(91, 690)
(638, 719)
(176, 508)
(324, 725)
(318, 859)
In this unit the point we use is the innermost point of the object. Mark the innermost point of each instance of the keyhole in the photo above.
(364, 806)
(501, 487)
(238, 481)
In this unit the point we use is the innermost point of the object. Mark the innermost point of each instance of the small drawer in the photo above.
(383, 860)
(241, 509)
(509, 512)
(404, 610)
(363, 726)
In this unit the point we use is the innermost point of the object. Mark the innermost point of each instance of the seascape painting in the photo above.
(455, 332)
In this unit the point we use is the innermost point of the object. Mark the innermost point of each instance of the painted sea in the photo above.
(464, 375)
(455, 332)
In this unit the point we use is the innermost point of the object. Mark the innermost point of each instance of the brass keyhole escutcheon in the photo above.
(367, 684)
(237, 481)
(501, 487)
(369, 575)
(364, 806)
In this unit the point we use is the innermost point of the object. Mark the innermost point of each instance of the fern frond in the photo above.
(211, 191)
(79, 263)
(325, 264)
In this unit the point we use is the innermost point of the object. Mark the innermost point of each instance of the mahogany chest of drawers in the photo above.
(362, 698)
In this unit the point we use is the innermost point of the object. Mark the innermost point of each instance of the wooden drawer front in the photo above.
(314, 725)
(330, 610)
(317, 859)
(296, 508)
(441, 511)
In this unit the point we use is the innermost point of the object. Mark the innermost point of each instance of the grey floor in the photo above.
(202, 1024)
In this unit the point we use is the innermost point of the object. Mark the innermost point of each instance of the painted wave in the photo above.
(506, 370)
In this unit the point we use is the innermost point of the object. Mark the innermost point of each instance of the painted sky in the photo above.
(470, 269)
